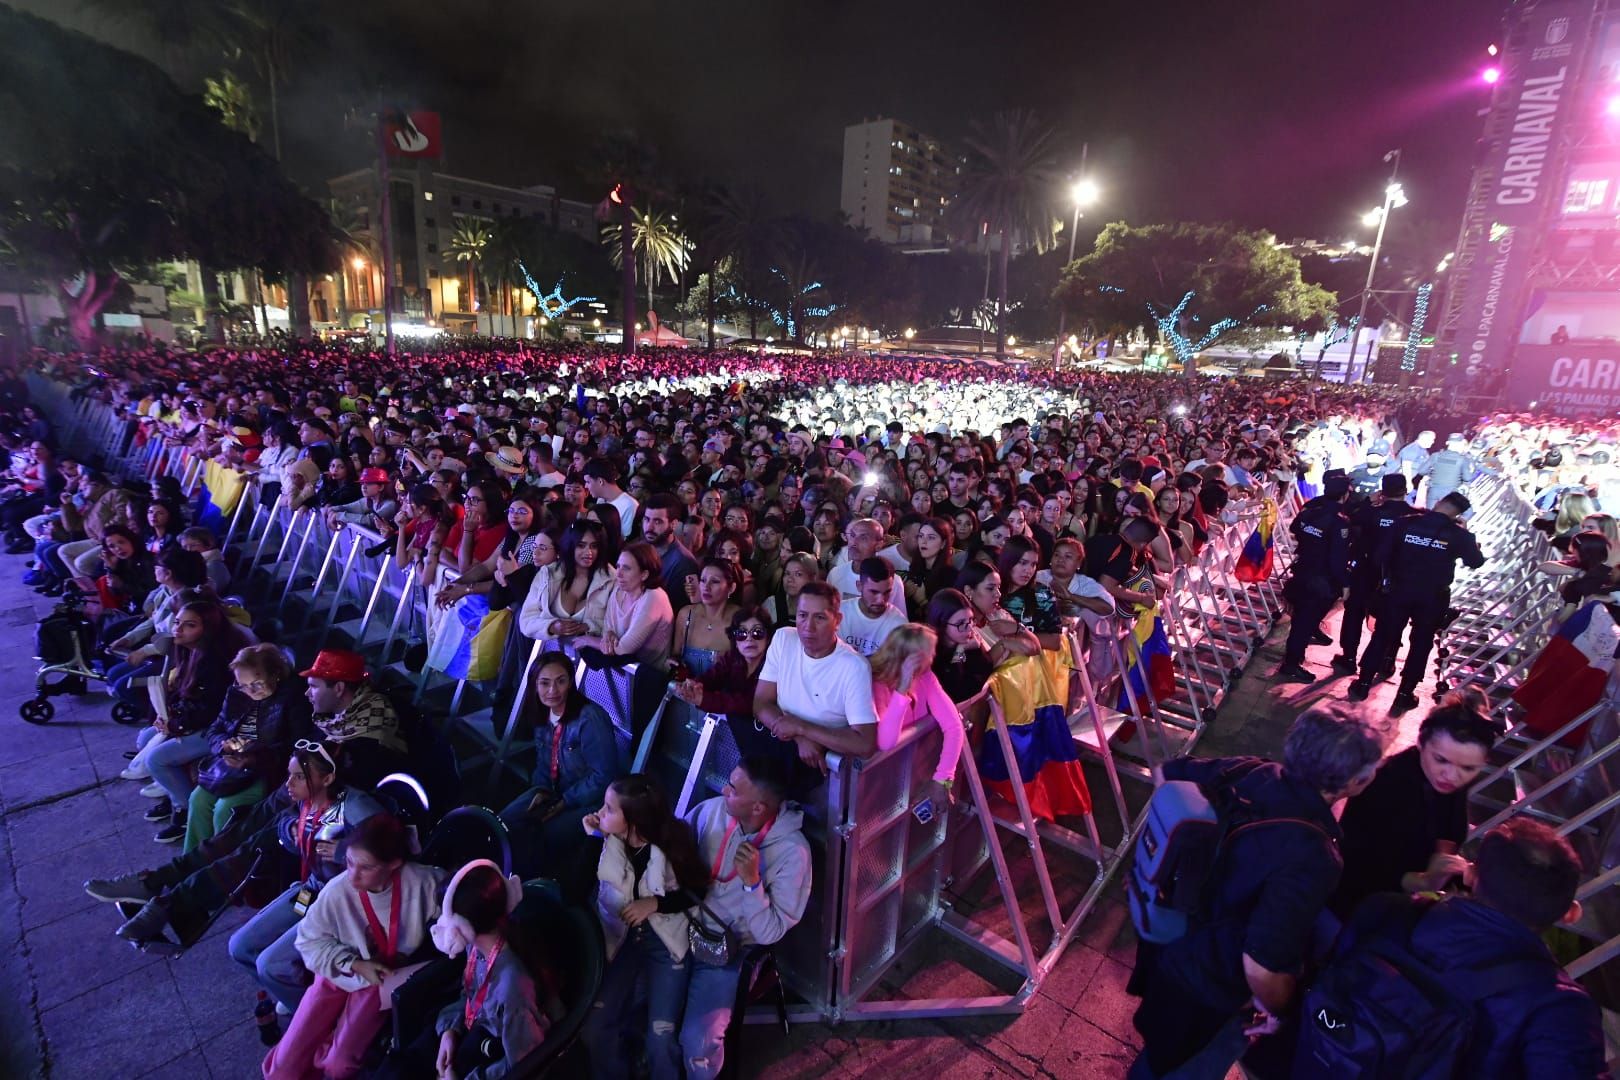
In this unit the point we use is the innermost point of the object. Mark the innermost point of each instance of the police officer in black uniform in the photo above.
(1365, 480)
(1369, 522)
(1321, 571)
(1421, 555)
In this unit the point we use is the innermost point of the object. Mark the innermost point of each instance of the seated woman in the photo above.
(798, 570)
(1402, 833)
(140, 642)
(475, 538)
(963, 666)
(905, 690)
(638, 622)
(477, 592)
(165, 521)
(368, 921)
(576, 756)
(265, 711)
(648, 878)
(205, 643)
(1076, 593)
(128, 574)
(1033, 604)
(503, 1011)
(701, 627)
(728, 686)
(571, 600)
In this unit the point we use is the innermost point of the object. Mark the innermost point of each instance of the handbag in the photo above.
(222, 780)
(711, 947)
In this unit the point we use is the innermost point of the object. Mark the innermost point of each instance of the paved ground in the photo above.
(78, 1004)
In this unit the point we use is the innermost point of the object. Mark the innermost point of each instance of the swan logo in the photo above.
(413, 134)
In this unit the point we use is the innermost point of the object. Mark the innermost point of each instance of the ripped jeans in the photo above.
(643, 974)
(709, 997)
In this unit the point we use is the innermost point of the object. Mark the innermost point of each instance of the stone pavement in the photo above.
(78, 1004)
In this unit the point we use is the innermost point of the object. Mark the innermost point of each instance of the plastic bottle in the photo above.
(264, 1014)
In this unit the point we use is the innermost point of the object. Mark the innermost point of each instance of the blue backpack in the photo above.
(1176, 853)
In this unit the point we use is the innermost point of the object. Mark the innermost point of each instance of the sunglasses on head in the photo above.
(758, 633)
(310, 746)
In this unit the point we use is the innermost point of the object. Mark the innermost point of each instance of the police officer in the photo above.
(1321, 571)
(1369, 523)
(1449, 469)
(1420, 555)
(1365, 479)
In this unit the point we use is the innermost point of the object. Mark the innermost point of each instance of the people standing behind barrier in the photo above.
(1003, 635)
(650, 879)
(1320, 574)
(576, 757)
(751, 839)
(1370, 522)
(1238, 964)
(375, 508)
(905, 691)
(1120, 563)
(264, 713)
(701, 628)
(422, 525)
(1032, 603)
(205, 643)
(814, 690)
(355, 718)
(483, 525)
(934, 566)
(728, 687)
(798, 570)
(868, 618)
(1421, 554)
(1076, 593)
(571, 601)
(1403, 832)
(660, 516)
(1140, 505)
(637, 622)
(367, 922)
(1529, 1019)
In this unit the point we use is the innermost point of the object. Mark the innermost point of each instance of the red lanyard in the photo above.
(556, 752)
(726, 841)
(475, 1003)
(389, 943)
(305, 839)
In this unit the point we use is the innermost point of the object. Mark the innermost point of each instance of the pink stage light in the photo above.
(1491, 75)
(1611, 108)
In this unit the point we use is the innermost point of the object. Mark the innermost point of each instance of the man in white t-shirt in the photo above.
(901, 553)
(871, 616)
(862, 536)
(813, 688)
(602, 484)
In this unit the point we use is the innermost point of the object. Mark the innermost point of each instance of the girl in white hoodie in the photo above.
(648, 878)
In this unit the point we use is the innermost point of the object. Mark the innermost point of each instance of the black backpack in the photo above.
(1379, 1010)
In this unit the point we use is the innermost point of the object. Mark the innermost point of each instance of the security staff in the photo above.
(1450, 469)
(1321, 571)
(1365, 478)
(1421, 555)
(1369, 523)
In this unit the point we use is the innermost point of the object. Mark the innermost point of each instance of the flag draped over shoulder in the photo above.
(1254, 563)
(1032, 692)
(1569, 675)
(1148, 665)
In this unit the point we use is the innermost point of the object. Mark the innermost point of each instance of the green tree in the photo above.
(738, 227)
(656, 238)
(467, 245)
(353, 240)
(1145, 273)
(1008, 189)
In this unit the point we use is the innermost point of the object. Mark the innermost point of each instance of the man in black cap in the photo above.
(1420, 555)
(1321, 572)
(1370, 522)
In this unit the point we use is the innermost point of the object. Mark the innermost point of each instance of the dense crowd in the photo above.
(826, 552)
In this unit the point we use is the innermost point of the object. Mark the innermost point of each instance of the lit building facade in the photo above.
(898, 182)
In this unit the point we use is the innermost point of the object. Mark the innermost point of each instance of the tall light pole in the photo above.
(1084, 192)
(1393, 197)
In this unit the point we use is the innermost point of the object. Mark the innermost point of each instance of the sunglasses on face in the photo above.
(758, 633)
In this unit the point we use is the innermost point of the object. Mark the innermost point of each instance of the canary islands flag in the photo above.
(1254, 564)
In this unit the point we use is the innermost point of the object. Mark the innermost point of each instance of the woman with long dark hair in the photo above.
(648, 878)
(962, 661)
(1033, 604)
(571, 600)
(933, 568)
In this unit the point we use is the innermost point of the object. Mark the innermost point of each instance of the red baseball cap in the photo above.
(338, 665)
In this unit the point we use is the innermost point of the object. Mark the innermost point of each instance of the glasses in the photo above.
(310, 746)
(960, 624)
(758, 633)
(255, 686)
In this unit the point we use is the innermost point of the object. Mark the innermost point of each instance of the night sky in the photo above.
(1277, 117)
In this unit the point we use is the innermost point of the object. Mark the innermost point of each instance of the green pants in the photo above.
(208, 813)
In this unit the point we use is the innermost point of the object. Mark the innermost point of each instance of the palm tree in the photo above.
(1008, 189)
(353, 241)
(738, 227)
(656, 238)
(468, 243)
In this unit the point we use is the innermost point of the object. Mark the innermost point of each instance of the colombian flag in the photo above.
(1254, 564)
(1149, 666)
(1032, 692)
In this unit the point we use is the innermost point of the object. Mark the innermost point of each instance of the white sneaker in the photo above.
(154, 791)
(282, 1010)
(135, 772)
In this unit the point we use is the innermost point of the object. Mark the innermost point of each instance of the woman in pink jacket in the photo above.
(905, 690)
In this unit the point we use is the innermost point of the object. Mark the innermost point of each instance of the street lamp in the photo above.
(1083, 193)
(1394, 196)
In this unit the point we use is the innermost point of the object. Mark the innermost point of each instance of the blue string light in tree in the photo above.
(1170, 328)
(544, 301)
(1414, 337)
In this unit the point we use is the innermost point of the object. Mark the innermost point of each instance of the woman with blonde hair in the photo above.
(905, 689)
(1574, 508)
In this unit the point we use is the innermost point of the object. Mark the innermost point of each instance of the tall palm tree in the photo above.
(738, 227)
(353, 240)
(657, 240)
(467, 245)
(1009, 190)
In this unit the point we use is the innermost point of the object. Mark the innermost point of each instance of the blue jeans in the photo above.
(710, 995)
(544, 848)
(122, 675)
(642, 973)
(266, 945)
(168, 763)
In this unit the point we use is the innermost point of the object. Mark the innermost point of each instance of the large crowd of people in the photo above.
(825, 551)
